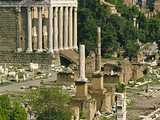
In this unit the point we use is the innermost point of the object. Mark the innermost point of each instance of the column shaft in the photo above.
(70, 28)
(66, 28)
(19, 49)
(34, 29)
(82, 62)
(40, 29)
(29, 49)
(61, 28)
(34, 35)
(56, 28)
(45, 36)
(98, 51)
(75, 28)
(50, 18)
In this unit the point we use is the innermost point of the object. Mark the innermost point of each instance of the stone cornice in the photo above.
(31, 3)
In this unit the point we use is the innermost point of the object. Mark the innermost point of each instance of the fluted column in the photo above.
(66, 28)
(29, 49)
(61, 28)
(75, 28)
(56, 29)
(39, 29)
(50, 18)
(70, 28)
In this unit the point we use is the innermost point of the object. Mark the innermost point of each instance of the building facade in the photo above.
(39, 25)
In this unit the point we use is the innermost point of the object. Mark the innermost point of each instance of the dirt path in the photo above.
(142, 103)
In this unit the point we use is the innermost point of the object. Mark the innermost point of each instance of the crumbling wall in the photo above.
(137, 71)
(91, 105)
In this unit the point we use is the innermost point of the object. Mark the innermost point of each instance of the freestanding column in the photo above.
(81, 83)
(82, 62)
(50, 18)
(66, 28)
(70, 28)
(29, 49)
(56, 29)
(61, 28)
(98, 51)
(39, 29)
(75, 28)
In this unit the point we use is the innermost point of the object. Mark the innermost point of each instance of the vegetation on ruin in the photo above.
(121, 87)
(49, 103)
(117, 31)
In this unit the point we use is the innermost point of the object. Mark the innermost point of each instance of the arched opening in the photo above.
(64, 61)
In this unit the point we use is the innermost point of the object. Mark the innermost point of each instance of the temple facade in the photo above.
(41, 25)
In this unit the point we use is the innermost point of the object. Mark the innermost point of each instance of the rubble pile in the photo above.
(21, 73)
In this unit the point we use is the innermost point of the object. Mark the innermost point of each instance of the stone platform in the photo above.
(25, 58)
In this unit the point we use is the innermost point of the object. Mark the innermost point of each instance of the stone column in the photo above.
(82, 62)
(81, 83)
(45, 36)
(39, 29)
(50, 19)
(70, 28)
(98, 51)
(56, 29)
(29, 49)
(34, 29)
(75, 28)
(66, 28)
(61, 28)
(19, 49)
(34, 36)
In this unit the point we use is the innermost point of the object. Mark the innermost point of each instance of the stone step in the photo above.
(71, 55)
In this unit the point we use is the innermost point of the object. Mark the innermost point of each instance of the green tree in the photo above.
(50, 103)
(132, 48)
(18, 112)
(117, 31)
(5, 107)
(11, 110)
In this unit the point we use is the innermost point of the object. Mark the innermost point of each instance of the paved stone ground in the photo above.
(143, 103)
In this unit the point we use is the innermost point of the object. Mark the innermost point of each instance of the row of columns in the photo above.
(62, 29)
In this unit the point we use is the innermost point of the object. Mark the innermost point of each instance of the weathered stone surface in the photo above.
(9, 57)
(8, 29)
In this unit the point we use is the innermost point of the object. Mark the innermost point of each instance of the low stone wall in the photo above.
(25, 58)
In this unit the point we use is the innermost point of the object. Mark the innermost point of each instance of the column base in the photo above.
(19, 50)
(75, 47)
(28, 50)
(82, 80)
(39, 50)
(56, 49)
(61, 48)
(50, 51)
(66, 48)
